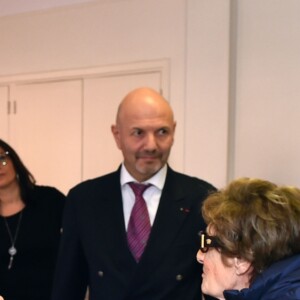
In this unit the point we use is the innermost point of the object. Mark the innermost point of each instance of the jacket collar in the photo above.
(280, 280)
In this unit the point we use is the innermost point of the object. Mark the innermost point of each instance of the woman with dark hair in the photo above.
(251, 247)
(30, 224)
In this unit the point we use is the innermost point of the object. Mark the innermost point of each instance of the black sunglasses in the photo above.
(207, 241)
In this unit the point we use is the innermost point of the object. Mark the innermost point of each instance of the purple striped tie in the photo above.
(139, 223)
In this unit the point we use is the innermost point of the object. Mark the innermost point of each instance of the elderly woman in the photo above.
(251, 247)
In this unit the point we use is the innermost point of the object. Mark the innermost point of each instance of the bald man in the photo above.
(96, 251)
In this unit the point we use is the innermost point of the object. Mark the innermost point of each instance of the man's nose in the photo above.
(150, 142)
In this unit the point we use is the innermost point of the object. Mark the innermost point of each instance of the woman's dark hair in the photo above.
(25, 178)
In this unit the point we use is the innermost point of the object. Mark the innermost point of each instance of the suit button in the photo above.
(100, 273)
(179, 277)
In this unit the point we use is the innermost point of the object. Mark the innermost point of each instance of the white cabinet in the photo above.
(45, 129)
(3, 112)
(61, 127)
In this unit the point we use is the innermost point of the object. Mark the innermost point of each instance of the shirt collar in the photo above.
(158, 180)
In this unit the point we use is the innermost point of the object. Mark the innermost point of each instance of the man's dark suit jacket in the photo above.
(94, 249)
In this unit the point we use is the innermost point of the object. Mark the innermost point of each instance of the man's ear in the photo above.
(241, 265)
(116, 134)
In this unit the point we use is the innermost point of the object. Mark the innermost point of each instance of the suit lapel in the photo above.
(110, 212)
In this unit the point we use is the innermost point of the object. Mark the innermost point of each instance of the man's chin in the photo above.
(149, 169)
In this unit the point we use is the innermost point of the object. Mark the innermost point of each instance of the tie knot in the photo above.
(138, 188)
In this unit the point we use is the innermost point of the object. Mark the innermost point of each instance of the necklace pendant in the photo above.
(12, 251)
(10, 262)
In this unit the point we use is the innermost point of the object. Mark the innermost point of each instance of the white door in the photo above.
(101, 99)
(46, 131)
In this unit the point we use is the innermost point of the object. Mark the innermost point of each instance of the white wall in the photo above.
(257, 70)
(268, 91)
(206, 109)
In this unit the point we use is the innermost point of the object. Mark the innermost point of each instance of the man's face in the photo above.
(145, 137)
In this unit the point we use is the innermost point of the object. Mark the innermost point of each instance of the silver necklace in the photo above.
(12, 251)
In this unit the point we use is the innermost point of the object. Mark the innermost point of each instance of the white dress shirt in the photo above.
(151, 195)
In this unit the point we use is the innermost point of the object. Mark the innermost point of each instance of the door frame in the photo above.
(162, 66)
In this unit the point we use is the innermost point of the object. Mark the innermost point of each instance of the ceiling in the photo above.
(12, 7)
